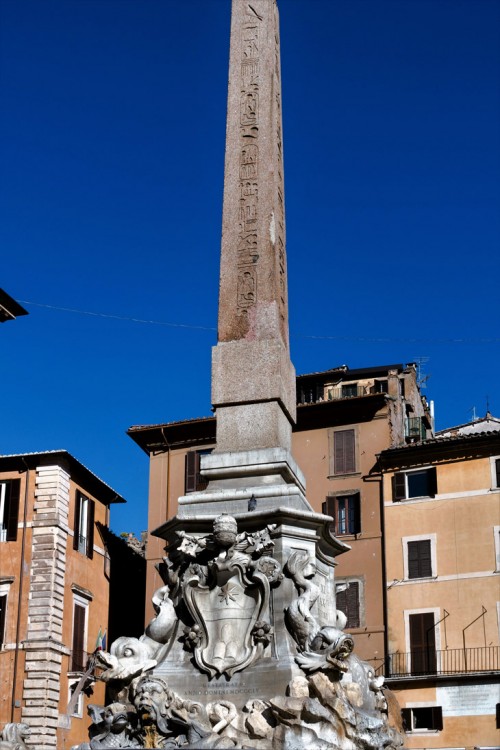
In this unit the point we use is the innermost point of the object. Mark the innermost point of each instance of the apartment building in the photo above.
(442, 544)
(54, 592)
(344, 418)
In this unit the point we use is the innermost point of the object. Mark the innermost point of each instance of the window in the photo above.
(344, 452)
(83, 539)
(350, 390)
(193, 479)
(381, 386)
(9, 509)
(345, 511)
(348, 601)
(495, 473)
(422, 643)
(423, 718)
(78, 652)
(419, 559)
(75, 703)
(3, 617)
(419, 483)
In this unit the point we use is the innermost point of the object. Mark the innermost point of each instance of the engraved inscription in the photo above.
(247, 255)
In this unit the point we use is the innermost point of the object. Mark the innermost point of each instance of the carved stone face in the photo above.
(152, 700)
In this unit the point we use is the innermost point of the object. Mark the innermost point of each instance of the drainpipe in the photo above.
(20, 595)
(378, 476)
(384, 577)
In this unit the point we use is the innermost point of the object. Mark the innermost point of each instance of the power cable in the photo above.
(360, 339)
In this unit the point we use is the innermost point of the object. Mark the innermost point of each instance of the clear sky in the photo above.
(112, 129)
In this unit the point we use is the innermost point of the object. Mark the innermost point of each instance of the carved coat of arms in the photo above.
(228, 598)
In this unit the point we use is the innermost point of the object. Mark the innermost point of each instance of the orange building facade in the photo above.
(54, 592)
(442, 538)
(344, 418)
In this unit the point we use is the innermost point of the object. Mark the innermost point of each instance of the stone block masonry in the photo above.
(43, 645)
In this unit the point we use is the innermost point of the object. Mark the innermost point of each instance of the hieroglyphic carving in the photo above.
(280, 222)
(247, 255)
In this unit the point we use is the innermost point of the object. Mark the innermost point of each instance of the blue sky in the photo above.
(112, 149)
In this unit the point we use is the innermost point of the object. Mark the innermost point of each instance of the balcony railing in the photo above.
(314, 394)
(415, 428)
(423, 662)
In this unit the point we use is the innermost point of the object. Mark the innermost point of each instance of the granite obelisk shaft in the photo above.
(253, 380)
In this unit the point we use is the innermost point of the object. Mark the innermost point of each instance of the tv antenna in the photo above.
(421, 377)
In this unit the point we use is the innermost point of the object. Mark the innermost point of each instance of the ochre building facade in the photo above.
(54, 592)
(442, 539)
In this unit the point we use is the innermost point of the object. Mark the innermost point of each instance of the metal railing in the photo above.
(415, 428)
(423, 662)
(315, 394)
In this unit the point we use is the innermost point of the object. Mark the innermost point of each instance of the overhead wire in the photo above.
(360, 339)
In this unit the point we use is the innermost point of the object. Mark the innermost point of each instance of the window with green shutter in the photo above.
(344, 452)
(419, 559)
(348, 602)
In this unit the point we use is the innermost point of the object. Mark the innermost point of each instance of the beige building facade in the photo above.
(344, 418)
(442, 543)
(54, 592)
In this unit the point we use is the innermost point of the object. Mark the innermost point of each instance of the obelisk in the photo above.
(253, 379)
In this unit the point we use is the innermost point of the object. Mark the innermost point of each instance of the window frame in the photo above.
(334, 449)
(437, 718)
(331, 508)
(406, 540)
(82, 603)
(437, 630)
(400, 487)
(495, 472)
(359, 584)
(192, 479)
(84, 516)
(4, 595)
(10, 491)
(78, 709)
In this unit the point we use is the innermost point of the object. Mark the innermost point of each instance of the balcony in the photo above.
(452, 661)
(315, 394)
(415, 429)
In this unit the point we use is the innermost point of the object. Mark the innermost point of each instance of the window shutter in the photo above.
(3, 611)
(78, 636)
(328, 507)
(90, 529)
(497, 469)
(356, 514)
(406, 717)
(398, 486)
(191, 470)
(344, 458)
(419, 559)
(76, 524)
(437, 717)
(348, 603)
(422, 643)
(353, 605)
(424, 550)
(432, 480)
(12, 502)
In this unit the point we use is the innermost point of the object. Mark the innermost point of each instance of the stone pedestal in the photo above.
(261, 480)
(290, 530)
